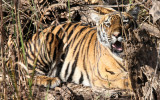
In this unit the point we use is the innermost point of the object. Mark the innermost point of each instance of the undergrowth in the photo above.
(20, 21)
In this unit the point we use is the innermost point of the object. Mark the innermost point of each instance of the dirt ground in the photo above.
(43, 13)
(72, 91)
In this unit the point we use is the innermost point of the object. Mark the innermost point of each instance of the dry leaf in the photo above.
(155, 10)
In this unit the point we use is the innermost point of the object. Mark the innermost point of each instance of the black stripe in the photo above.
(50, 42)
(42, 53)
(48, 35)
(64, 25)
(75, 48)
(63, 56)
(41, 68)
(73, 29)
(83, 29)
(41, 59)
(60, 44)
(30, 49)
(65, 31)
(61, 29)
(59, 68)
(30, 66)
(85, 37)
(80, 43)
(34, 42)
(45, 69)
(68, 37)
(73, 68)
(99, 34)
(75, 26)
(37, 65)
(63, 36)
(29, 57)
(67, 48)
(53, 27)
(75, 38)
(89, 43)
(57, 37)
(54, 55)
(45, 56)
(81, 79)
(66, 71)
(45, 50)
(95, 48)
(68, 26)
(85, 69)
(77, 35)
(35, 45)
(111, 72)
(26, 45)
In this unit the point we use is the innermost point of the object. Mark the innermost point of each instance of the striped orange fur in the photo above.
(74, 52)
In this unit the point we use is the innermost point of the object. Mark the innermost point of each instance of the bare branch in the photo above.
(151, 29)
(2, 52)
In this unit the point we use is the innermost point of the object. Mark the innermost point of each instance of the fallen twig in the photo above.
(152, 30)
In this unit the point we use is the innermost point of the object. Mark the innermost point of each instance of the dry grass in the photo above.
(22, 19)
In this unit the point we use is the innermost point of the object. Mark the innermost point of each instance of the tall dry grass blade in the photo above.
(16, 6)
(2, 53)
(69, 10)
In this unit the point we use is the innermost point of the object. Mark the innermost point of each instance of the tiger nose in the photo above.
(116, 34)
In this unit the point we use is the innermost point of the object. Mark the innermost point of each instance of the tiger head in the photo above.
(112, 27)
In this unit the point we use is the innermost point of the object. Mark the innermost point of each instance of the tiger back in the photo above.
(74, 52)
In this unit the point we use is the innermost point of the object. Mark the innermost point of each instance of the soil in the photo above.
(141, 51)
(71, 91)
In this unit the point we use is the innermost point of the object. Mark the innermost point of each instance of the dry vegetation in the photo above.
(20, 19)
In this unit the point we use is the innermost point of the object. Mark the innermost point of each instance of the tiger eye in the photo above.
(107, 23)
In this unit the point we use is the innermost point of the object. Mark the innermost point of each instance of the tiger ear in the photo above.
(95, 17)
(134, 11)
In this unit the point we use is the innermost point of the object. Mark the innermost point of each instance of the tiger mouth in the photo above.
(117, 47)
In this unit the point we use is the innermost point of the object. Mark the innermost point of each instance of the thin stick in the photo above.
(8, 5)
(109, 6)
(16, 6)
(154, 31)
(2, 53)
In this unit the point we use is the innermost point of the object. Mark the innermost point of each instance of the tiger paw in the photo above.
(46, 81)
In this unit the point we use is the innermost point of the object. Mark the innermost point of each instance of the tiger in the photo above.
(82, 54)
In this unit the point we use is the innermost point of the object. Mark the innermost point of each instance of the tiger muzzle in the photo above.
(117, 43)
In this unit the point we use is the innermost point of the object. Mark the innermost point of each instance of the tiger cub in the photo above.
(78, 53)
